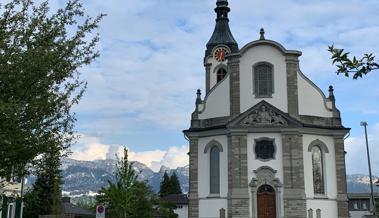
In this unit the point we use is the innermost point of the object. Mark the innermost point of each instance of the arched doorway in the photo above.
(266, 203)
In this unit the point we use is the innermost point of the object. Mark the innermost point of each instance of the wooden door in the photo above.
(266, 202)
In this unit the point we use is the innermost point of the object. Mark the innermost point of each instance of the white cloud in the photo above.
(92, 149)
(356, 158)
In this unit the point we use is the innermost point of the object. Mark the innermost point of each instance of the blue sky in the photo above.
(141, 91)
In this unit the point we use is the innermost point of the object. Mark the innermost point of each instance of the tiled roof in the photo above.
(178, 199)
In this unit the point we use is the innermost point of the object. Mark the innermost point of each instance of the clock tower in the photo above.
(219, 45)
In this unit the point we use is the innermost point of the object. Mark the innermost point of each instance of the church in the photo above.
(265, 141)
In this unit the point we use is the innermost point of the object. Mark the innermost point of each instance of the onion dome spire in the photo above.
(222, 33)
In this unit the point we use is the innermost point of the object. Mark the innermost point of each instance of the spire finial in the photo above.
(198, 97)
(262, 32)
(331, 93)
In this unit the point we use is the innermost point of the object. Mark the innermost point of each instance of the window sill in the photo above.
(262, 96)
(214, 196)
(320, 197)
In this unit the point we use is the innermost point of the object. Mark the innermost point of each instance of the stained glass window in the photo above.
(215, 170)
(318, 174)
(263, 80)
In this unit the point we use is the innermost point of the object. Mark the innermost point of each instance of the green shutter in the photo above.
(4, 207)
(17, 213)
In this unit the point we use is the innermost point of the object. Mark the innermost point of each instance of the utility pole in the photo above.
(372, 205)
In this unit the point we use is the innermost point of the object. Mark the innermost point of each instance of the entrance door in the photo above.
(266, 202)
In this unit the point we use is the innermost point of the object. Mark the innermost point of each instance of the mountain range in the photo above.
(87, 177)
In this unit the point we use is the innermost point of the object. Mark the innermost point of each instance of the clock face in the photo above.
(220, 54)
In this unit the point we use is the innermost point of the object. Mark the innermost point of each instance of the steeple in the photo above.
(222, 33)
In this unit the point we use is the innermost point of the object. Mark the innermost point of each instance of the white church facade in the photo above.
(265, 142)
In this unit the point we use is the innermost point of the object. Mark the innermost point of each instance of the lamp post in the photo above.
(372, 205)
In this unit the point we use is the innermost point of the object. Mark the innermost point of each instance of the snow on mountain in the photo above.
(87, 177)
(360, 183)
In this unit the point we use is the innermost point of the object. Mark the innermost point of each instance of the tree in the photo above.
(127, 197)
(46, 194)
(175, 185)
(165, 186)
(41, 53)
(356, 66)
(170, 185)
(166, 209)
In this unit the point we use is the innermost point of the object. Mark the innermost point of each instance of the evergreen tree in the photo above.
(165, 187)
(175, 184)
(46, 194)
(41, 52)
(127, 197)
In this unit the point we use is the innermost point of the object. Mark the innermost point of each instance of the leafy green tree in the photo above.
(165, 186)
(46, 194)
(127, 197)
(356, 66)
(166, 209)
(174, 184)
(41, 52)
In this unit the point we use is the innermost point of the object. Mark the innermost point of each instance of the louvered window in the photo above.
(263, 80)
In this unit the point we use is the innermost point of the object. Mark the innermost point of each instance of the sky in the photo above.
(141, 90)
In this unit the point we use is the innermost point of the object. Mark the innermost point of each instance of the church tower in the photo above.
(265, 142)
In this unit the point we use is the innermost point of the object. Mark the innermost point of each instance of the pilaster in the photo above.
(293, 172)
(234, 69)
(292, 63)
(193, 206)
(342, 203)
(207, 77)
(238, 198)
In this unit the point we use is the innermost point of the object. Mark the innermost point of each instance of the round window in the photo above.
(265, 149)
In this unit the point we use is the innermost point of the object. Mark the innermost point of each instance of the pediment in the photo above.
(266, 115)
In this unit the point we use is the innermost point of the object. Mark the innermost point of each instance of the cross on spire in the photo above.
(262, 32)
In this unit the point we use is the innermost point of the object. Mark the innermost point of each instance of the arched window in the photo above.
(221, 73)
(214, 170)
(318, 213)
(310, 213)
(318, 170)
(263, 80)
